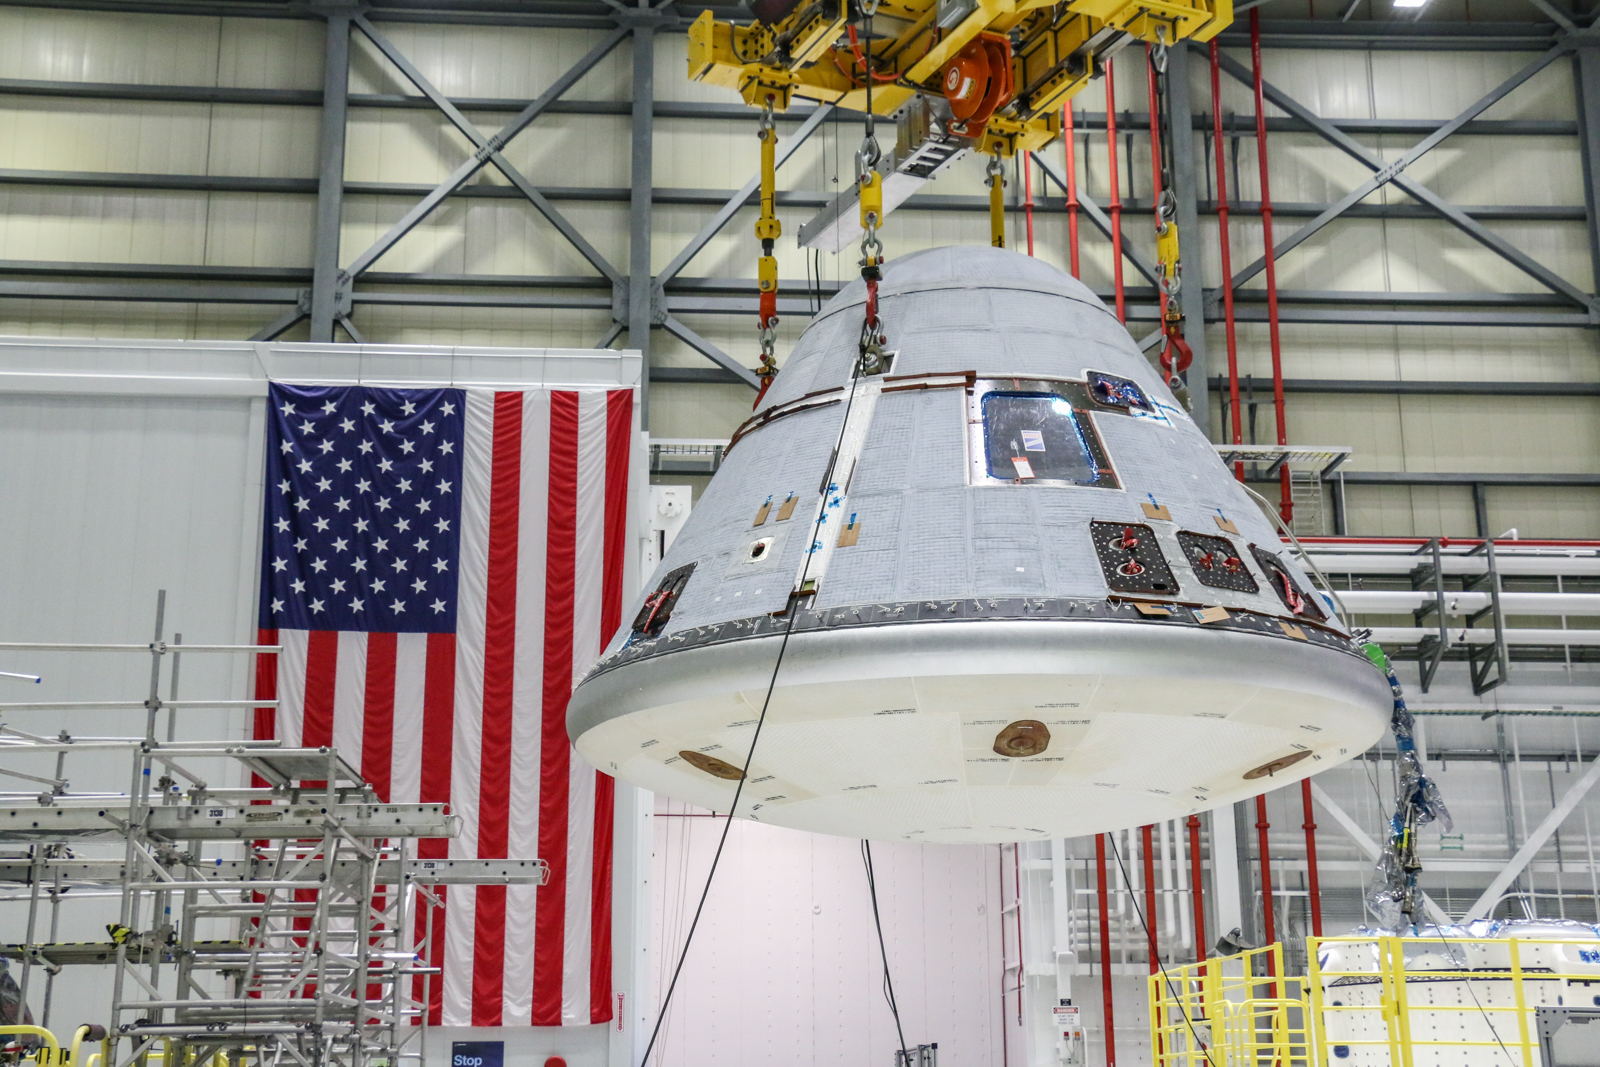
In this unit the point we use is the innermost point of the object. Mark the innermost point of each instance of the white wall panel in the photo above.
(259, 229)
(272, 142)
(1440, 85)
(109, 226)
(785, 967)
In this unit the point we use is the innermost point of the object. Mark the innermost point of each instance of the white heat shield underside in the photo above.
(894, 738)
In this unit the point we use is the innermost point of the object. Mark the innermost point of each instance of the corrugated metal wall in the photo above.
(494, 236)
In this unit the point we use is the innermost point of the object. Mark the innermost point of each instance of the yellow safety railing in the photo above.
(44, 1050)
(1427, 1000)
(1230, 1012)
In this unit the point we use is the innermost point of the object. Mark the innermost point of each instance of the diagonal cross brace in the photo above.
(489, 151)
(1470, 226)
(1530, 848)
(1391, 170)
(485, 146)
(1101, 222)
(738, 200)
(716, 355)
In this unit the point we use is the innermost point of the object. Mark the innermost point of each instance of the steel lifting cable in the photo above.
(1069, 148)
(869, 184)
(766, 703)
(1172, 990)
(1176, 355)
(872, 361)
(1225, 241)
(768, 230)
(995, 179)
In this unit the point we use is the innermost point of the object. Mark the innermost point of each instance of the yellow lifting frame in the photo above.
(744, 58)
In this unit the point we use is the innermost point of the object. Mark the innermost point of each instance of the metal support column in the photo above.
(1586, 71)
(640, 285)
(325, 281)
(1186, 183)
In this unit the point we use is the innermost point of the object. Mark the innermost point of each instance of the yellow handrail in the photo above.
(54, 1047)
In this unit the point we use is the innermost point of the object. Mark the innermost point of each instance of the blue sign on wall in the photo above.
(477, 1054)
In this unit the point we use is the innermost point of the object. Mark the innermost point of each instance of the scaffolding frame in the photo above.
(331, 911)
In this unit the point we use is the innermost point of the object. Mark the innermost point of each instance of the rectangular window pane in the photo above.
(1035, 437)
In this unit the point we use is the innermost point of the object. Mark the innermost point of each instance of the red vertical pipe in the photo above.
(1313, 885)
(1262, 826)
(1155, 150)
(1285, 501)
(1150, 895)
(1225, 241)
(1105, 948)
(1116, 195)
(1197, 885)
(1072, 186)
(1027, 195)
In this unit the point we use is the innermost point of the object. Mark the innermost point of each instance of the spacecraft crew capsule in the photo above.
(1036, 604)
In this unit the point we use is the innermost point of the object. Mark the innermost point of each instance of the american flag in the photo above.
(440, 567)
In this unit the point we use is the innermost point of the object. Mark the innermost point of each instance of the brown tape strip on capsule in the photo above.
(1156, 511)
(1213, 614)
(850, 534)
(787, 509)
(712, 765)
(1276, 765)
(761, 515)
(1225, 524)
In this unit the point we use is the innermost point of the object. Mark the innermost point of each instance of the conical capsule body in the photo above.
(1015, 593)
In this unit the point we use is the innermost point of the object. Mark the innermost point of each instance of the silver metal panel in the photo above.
(924, 532)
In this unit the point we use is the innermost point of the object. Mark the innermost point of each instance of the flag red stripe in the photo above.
(499, 671)
(619, 441)
(438, 731)
(322, 669)
(377, 732)
(605, 790)
(619, 433)
(554, 748)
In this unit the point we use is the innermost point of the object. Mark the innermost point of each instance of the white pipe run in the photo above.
(1484, 635)
(1404, 601)
(1519, 565)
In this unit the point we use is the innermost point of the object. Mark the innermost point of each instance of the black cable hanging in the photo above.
(1149, 938)
(783, 647)
(888, 982)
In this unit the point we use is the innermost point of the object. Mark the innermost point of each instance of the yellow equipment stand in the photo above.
(1414, 1001)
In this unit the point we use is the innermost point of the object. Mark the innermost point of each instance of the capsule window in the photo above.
(1035, 437)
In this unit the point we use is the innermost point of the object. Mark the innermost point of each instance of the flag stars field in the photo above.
(345, 458)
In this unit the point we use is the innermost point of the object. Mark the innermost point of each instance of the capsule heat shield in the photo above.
(1023, 533)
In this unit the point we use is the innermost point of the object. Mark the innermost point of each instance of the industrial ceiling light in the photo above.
(1030, 602)
(1410, 5)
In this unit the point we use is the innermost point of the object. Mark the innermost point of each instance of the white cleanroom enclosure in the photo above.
(136, 466)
